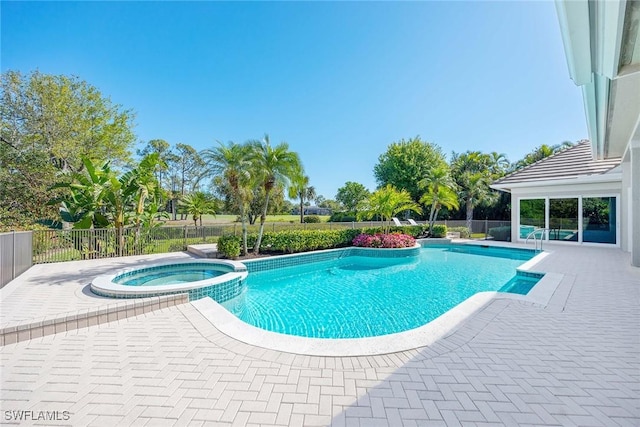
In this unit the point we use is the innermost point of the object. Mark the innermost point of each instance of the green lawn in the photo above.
(227, 219)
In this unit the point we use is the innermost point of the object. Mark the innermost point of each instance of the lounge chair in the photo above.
(412, 222)
(396, 222)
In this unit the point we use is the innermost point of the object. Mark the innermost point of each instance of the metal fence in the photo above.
(483, 229)
(15, 255)
(67, 245)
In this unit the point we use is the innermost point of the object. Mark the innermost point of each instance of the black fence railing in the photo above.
(68, 245)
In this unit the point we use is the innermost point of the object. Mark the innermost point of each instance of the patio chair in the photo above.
(412, 222)
(397, 222)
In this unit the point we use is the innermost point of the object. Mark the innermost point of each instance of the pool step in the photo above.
(204, 251)
(117, 309)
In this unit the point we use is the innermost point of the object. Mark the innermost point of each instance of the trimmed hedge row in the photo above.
(292, 241)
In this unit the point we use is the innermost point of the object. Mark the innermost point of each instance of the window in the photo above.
(583, 219)
(563, 219)
(599, 219)
(531, 216)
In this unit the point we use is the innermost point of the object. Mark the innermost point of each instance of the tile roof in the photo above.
(573, 162)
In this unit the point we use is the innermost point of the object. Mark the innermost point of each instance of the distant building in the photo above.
(312, 210)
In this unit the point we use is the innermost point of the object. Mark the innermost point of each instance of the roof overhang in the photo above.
(602, 50)
(579, 180)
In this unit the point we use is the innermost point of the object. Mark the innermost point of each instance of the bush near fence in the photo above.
(502, 234)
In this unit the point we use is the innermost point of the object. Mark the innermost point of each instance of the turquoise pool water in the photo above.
(169, 275)
(357, 296)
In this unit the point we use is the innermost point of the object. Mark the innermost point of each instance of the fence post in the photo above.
(184, 234)
(486, 228)
(13, 263)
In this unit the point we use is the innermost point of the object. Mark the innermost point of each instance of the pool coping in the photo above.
(104, 286)
(423, 336)
(14, 332)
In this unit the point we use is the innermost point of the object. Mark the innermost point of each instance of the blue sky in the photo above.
(338, 81)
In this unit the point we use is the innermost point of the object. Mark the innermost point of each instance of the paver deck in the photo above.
(575, 362)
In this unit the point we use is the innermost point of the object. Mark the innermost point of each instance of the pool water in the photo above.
(355, 296)
(170, 275)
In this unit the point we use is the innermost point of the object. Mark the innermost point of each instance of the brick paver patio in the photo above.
(575, 362)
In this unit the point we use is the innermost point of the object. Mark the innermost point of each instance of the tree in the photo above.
(163, 149)
(84, 204)
(301, 189)
(439, 198)
(48, 124)
(406, 162)
(198, 204)
(475, 190)
(540, 153)
(388, 202)
(351, 195)
(273, 166)
(232, 163)
(98, 198)
(439, 186)
(186, 171)
(276, 203)
(330, 204)
(474, 172)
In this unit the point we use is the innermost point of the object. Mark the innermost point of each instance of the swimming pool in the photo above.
(364, 296)
(218, 279)
(171, 275)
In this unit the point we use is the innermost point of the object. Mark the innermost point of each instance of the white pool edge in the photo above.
(105, 286)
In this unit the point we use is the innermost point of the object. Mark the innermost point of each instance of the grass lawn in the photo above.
(228, 219)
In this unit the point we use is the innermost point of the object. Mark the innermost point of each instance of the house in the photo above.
(590, 194)
(312, 210)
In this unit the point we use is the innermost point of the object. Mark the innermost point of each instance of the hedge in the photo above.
(502, 234)
(292, 241)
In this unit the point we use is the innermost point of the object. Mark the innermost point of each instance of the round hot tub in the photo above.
(219, 279)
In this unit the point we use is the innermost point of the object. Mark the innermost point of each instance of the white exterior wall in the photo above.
(602, 189)
(633, 211)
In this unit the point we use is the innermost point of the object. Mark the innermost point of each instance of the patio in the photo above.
(575, 362)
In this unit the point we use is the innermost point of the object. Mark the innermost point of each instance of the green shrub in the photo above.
(464, 231)
(342, 217)
(312, 219)
(291, 241)
(502, 234)
(229, 246)
(439, 230)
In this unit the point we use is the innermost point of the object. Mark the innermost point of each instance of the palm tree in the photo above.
(442, 197)
(232, 162)
(542, 152)
(198, 204)
(273, 165)
(437, 178)
(475, 190)
(301, 189)
(388, 202)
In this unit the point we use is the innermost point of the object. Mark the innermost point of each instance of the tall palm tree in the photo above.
(273, 166)
(475, 190)
(474, 171)
(301, 189)
(232, 162)
(442, 197)
(436, 179)
(388, 202)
